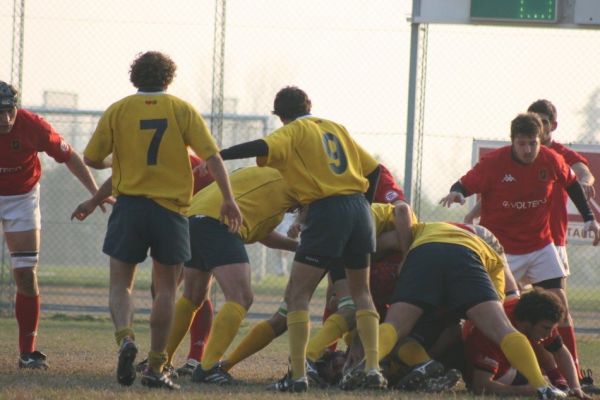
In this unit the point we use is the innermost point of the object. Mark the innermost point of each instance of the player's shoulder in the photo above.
(32, 122)
(549, 155)
(570, 155)
(501, 153)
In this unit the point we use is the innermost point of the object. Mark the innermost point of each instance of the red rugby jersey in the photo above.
(200, 182)
(388, 190)
(515, 198)
(20, 168)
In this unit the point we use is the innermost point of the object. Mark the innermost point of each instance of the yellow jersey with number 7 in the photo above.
(148, 135)
(318, 158)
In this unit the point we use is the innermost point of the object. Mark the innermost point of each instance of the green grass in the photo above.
(82, 356)
(97, 277)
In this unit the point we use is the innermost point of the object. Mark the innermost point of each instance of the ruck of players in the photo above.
(413, 306)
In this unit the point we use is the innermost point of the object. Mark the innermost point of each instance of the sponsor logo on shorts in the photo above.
(312, 259)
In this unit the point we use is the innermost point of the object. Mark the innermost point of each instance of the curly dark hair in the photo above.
(539, 305)
(291, 103)
(152, 70)
(526, 124)
(545, 107)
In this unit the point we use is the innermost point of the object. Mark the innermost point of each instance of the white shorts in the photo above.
(21, 212)
(564, 258)
(537, 266)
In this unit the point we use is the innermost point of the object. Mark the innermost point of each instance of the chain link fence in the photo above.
(352, 59)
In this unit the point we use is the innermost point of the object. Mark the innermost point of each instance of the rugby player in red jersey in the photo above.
(23, 135)
(536, 315)
(517, 185)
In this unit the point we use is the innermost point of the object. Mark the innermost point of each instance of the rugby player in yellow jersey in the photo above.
(326, 168)
(263, 197)
(338, 323)
(451, 266)
(148, 135)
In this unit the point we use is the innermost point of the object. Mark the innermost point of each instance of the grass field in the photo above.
(82, 356)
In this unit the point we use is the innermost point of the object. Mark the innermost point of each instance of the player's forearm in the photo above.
(459, 188)
(565, 364)
(276, 240)
(403, 224)
(578, 197)
(103, 192)
(255, 148)
(217, 169)
(373, 179)
(583, 173)
(486, 385)
(81, 172)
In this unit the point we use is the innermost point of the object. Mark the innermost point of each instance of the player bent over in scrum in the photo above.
(263, 197)
(448, 265)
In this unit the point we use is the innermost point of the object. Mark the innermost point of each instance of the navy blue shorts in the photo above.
(443, 274)
(213, 245)
(338, 233)
(137, 224)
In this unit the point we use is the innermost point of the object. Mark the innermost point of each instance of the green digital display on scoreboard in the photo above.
(514, 10)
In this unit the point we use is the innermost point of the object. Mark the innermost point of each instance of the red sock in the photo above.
(200, 330)
(567, 333)
(327, 312)
(27, 311)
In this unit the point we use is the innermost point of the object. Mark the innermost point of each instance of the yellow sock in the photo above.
(387, 339)
(185, 311)
(367, 324)
(333, 329)
(519, 353)
(157, 360)
(122, 333)
(298, 329)
(225, 326)
(258, 338)
(412, 353)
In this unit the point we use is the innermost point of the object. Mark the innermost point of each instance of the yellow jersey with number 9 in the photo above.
(148, 135)
(318, 158)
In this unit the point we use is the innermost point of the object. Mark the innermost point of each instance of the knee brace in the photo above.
(24, 259)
